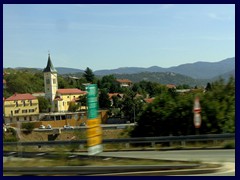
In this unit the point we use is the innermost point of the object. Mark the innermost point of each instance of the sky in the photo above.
(109, 36)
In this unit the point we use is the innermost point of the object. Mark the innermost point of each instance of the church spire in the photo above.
(49, 67)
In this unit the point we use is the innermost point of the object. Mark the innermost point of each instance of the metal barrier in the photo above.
(152, 140)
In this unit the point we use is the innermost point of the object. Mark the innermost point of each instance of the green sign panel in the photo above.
(92, 101)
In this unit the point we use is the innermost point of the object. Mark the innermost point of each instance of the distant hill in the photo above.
(205, 70)
(63, 70)
(60, 70)
(163, 78)
(225, 76)
(198, 70)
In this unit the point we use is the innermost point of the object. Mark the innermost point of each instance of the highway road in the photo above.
(104, 126)
(224, 157)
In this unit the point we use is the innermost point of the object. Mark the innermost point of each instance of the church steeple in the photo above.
(50, 82)
(49, 67)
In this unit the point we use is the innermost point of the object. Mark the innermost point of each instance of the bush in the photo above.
(28, 127)
(229, 145)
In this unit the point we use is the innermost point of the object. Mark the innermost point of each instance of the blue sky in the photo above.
(108, 36)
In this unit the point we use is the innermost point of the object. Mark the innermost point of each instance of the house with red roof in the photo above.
(66, 96)
(124, 82)
(21, 107)
(171, 86)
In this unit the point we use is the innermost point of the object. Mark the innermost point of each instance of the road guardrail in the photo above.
(152, 140)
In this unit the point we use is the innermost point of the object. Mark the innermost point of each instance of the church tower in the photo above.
(50, 82)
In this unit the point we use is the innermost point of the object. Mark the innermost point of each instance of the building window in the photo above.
(24, 111)
(54, 81)
(16, 103)
(68, 97)
(55, 105)
(63, 103)
(24, 103)
(30, 102)
(17, 118)
(68, 116)
(31, 110)
(25, 118)
(16, 111)
(48, 81)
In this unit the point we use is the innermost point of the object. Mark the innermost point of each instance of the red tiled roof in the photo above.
(171, 86)
(149, 100)
(71, 91)
(16, 97)
(115, 94)
(124, 81)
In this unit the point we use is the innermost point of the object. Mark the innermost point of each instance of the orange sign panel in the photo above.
(94, 131)
(94, 141)
(93, 122)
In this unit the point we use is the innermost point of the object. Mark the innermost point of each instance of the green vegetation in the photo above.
(170, 113)
(10, 135)
(44, 104)
(90, 161)
(28, 127)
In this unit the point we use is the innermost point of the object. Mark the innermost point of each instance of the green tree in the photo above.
(110, 84)
(44, 104)
(88, 75)
(104, 101)
(208, 87)
(73, 107)
(82, 101)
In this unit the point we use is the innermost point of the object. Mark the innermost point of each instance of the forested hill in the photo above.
(197, 70)
(163, 78)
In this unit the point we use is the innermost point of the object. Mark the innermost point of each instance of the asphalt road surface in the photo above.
(224, 157)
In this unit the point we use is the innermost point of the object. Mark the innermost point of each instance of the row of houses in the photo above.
(25, 107)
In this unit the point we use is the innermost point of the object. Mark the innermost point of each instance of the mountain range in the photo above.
(190, 73)
(197, 70)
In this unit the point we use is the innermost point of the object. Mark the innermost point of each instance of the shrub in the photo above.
(28, 127)
(229, 145)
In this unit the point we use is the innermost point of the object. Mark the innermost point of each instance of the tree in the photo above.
(44, 104)
(73, 107)
(172, 113)
(21, 82)
(208, 87)
(82, 101)
(88, 75)
(104, 101)
(109, 83)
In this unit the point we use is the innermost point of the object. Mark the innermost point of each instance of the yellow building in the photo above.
(21, 107)
(65, 96)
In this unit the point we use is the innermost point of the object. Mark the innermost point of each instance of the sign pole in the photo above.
(197, 116)
(94, 130)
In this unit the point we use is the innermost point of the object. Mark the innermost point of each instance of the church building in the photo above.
(60, 99)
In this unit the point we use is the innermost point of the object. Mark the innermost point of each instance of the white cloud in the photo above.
(216, 16)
